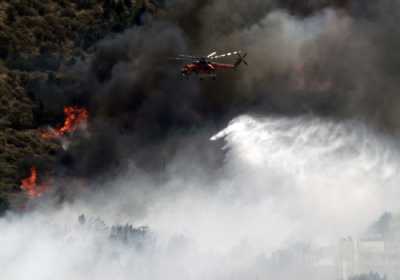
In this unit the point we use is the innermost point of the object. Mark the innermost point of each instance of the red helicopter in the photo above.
(205, 67)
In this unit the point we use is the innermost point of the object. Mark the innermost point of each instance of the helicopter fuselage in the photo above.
(204, 68)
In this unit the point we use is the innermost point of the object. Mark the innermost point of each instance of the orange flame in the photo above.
(30, 186)
(74, 118)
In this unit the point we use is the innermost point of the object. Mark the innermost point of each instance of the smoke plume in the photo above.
(334, 62)
(315, 157)
(289, 189)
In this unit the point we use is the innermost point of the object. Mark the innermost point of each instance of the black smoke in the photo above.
(337, 59)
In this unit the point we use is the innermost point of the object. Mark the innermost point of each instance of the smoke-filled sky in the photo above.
(310, 155)
(337, 63)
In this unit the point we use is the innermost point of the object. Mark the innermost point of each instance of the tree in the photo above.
(4, 206)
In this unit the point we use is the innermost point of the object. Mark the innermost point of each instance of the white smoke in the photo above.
(288, 187)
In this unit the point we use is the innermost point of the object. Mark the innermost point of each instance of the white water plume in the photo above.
(288, 185)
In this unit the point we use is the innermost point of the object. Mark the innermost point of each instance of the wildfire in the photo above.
(30, 185)
(75, 117)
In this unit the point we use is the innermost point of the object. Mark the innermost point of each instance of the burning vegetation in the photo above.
(31, 186)
(75, 118)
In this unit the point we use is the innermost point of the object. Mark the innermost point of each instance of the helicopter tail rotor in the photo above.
(241, 59)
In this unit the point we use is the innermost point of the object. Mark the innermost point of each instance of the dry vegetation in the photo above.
(36, 38)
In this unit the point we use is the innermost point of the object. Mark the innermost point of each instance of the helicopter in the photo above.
(206, 67)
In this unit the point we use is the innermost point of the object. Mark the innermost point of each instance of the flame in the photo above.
(30, 186)
(75, 117)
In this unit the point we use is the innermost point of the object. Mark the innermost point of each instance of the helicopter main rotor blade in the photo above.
(225, 55)
(212, 54)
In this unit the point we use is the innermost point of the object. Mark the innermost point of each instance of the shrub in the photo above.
(68, 12)
(24, 8)
(4, 205)
(85, 4)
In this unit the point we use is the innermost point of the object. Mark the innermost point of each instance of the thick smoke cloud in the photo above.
(133, 99)
(334, 63)
(335, 60)
(284, 189)
(289, 189)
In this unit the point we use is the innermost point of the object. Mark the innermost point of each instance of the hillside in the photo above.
(38, 39)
